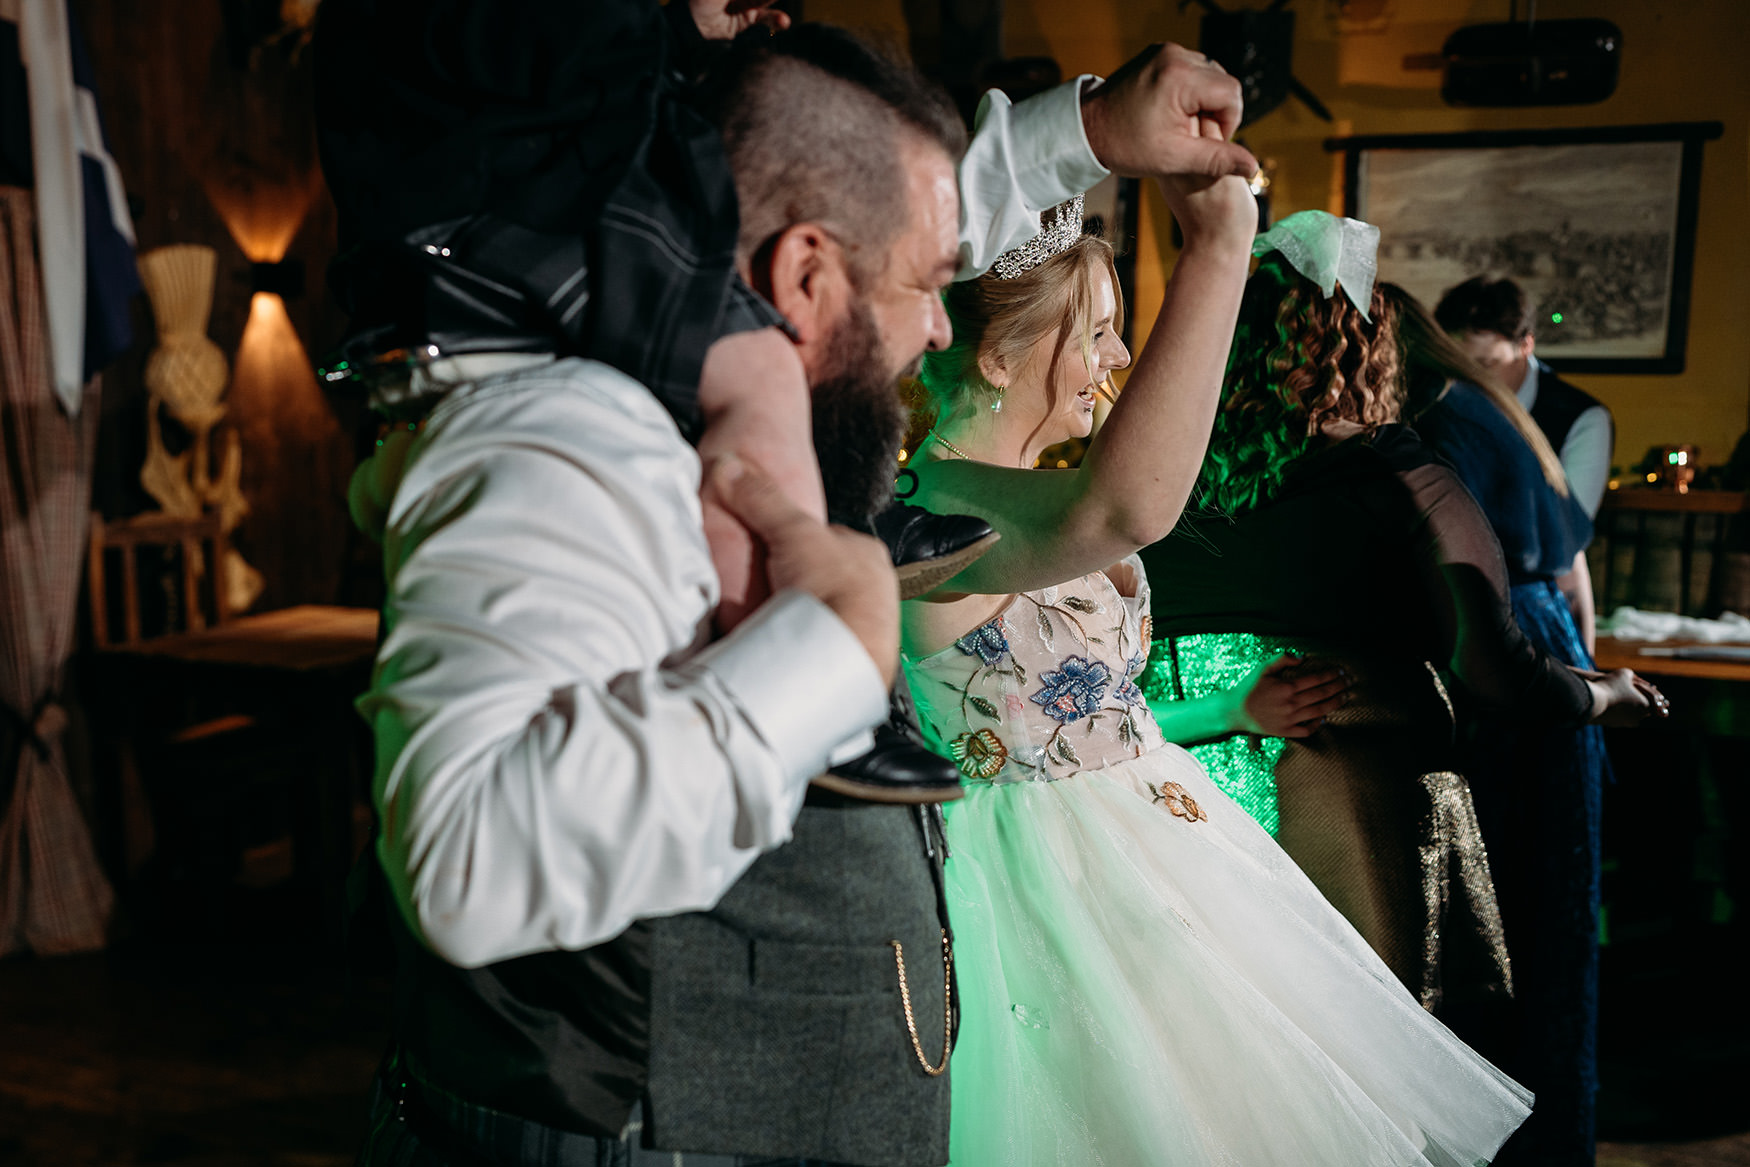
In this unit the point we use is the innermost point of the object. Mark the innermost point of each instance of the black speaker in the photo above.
(1545, 62)
(1256, 47)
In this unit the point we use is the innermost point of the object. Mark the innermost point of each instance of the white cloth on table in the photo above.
(1628, 623)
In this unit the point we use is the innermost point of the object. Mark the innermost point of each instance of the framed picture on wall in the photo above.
(1597, 225)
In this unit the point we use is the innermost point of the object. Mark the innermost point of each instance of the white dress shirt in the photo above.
(1586, 451)
(1023, 159)
(560, 749)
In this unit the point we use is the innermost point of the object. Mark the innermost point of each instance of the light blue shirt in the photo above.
(1587, 449)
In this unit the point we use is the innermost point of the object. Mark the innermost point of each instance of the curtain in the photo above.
(54, 897)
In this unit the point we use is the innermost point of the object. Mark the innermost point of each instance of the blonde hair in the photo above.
(1428, 347)
(1004, 319)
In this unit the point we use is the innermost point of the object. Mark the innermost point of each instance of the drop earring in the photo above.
(997, 405)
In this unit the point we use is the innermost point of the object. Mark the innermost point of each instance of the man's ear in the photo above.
(1528, 345)
(806, 279)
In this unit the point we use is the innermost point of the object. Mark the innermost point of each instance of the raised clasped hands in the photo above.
(1167, 114)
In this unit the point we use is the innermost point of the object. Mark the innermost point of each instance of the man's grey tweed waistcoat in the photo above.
(771, 1025)
(776, 1024)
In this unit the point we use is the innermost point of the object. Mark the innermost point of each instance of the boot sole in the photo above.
(898, 795)
(926, 575)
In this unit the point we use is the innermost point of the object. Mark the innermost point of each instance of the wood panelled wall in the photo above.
(221, 151)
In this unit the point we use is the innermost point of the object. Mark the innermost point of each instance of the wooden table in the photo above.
(1707, 696)
(1633, 654)
(307, 638)
(294, 674)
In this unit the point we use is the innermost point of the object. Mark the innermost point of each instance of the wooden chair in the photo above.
(200, 546)
(226, 741)
(1664, 551)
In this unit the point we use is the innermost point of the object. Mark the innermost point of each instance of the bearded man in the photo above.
(624, 924)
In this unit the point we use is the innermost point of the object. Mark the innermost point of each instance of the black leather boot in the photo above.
(929, 549)
(901, 768)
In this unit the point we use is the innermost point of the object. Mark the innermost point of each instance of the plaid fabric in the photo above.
(53, 896)
(439, 1131)
(496, 199)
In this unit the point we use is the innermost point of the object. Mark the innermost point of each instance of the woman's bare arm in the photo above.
(1576, 588)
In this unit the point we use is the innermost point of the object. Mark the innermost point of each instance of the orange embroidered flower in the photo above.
(1177, 800)
(979, 755)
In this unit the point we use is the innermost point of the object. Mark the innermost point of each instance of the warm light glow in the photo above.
(263, 219)
(1651, 477)
(273, 385)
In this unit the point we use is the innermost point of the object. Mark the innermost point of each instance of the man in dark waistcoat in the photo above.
(1497, 324)
(619, 925)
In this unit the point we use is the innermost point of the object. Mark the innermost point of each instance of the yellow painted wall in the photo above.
(1685, 61)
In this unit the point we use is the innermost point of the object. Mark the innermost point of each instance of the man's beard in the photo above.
(859, 421)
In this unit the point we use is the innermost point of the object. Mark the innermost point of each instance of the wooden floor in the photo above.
(258, 1054)
(197, 1060)
(1733, 1151)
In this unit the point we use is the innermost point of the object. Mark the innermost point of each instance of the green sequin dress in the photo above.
(1189, 668)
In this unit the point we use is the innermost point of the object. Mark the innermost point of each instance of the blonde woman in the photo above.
(1145, 976)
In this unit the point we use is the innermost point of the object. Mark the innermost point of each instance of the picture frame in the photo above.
(1596, 224)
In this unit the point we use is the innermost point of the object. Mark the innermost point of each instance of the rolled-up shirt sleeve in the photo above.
(559, 751)
(1023, 159)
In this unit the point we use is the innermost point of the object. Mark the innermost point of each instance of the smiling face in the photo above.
(1054, 391)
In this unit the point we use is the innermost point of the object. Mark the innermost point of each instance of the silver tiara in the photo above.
(1059, 228)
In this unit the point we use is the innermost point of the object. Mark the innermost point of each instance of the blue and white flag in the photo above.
(84, 233)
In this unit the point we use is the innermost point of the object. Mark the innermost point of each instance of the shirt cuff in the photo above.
(1053, 160)
(802, 677)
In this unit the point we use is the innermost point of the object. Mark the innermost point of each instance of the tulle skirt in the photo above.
(1143, 988)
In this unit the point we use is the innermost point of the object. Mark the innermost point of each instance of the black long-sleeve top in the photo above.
(1373, 543)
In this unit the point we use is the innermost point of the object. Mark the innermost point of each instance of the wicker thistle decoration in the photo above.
(187, 375)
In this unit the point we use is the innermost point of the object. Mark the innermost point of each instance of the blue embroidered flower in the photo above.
(988, 642)
(1127, 692)
(1075, 690)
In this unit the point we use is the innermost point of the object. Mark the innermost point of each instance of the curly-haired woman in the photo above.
(1145, 977)
(1324, 528)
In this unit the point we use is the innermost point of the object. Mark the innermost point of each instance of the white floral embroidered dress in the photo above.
(1046, 688)
(1145, 977)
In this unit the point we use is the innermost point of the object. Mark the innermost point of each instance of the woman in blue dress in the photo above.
(1536, 787)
